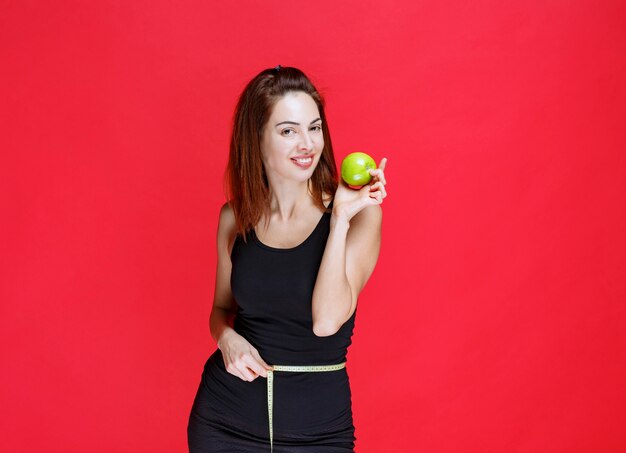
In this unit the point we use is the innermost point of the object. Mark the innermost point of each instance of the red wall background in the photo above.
(494, 321)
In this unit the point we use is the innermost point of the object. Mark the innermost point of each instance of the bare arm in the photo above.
(240, 357)
(351, 253)
(349, 259)
(224, 306)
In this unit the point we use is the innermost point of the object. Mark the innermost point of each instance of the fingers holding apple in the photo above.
(377, 193)
(378, 180)
(351, 198)
(379, 173)
(377, 189)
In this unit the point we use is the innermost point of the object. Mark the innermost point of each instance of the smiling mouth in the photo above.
(303, 162)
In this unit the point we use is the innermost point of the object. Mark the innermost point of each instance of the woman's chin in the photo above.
(303, 175)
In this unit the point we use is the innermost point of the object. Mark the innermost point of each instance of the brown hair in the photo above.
(245, 182)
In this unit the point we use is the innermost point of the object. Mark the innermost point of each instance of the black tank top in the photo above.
(273, 288)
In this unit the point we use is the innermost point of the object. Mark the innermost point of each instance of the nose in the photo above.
(306, 143)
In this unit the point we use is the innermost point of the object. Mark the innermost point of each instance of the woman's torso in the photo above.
(273, 289)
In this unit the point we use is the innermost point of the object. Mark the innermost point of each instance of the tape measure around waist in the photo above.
(290, 368)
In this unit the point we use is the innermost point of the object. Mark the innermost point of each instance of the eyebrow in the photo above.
(297, 124)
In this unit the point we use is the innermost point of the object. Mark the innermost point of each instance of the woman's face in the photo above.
(292, 141)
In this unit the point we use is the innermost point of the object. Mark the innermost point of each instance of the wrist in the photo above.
(338, 220)
(224, 335)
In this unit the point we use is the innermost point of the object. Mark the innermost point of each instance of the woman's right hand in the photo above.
(240, 357)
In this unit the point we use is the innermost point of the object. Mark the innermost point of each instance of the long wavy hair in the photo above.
(245, 184)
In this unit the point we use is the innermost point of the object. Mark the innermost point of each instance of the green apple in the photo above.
(355, 169)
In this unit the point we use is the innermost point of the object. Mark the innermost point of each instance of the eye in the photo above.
(286, 130)
(317, 128)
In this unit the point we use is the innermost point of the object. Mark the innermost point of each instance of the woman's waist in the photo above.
(302, 401)
(308, 361)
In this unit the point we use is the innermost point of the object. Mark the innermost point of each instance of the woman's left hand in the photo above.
(348, 202)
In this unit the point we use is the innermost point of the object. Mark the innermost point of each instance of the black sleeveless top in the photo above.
(273, 288)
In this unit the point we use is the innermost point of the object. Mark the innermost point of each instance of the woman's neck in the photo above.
(287, 201)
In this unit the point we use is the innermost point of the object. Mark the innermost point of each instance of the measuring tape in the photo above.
(290, 368)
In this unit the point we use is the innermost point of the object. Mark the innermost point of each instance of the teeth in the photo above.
(304, 161)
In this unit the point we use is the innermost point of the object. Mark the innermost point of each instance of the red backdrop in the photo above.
(494, 320)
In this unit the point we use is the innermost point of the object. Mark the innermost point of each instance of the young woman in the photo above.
(295, 247)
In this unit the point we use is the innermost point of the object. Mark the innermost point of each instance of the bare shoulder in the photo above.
(227, 215)
(227, 228)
